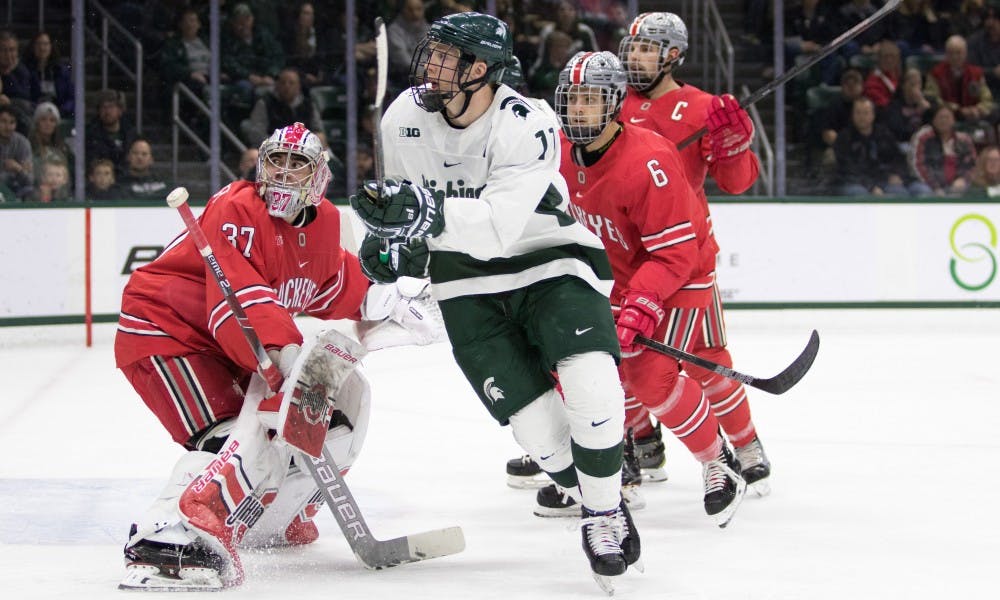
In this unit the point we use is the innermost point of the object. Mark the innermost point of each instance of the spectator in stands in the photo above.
(838, 115)
(909, 109)
(917, 27)
(880, 85)
(185, 56)
(248, 164)
(404, 33)
(54, 183)
(969, 18)
(101, 184)
(850, 14)
(305, 50)
(808, 27)
(285, 105)
(16, 169)
(251, 57)
(941, 157)
(962, 87)
(984, 49)
(47, 142)
(544, 77)
(16, 80)
(109, 134)
(568, 22)
(868, 160)
(986, 176)
(139, 180)
(51, 80)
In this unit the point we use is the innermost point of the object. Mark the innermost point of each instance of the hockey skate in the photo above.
(756, 467)
(554, 500)
(611, 543)
(631, 474)
(523, 473)
(159, 566)
(652, 456)
(724, 487)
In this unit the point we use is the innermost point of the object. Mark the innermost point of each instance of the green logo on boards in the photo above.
(966, 239)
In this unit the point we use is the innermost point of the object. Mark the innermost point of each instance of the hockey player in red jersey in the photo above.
(627, 185)
(179, 345)
(652, 50)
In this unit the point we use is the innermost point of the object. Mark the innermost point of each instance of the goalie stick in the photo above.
(371, 552)
(795, 71)
(779, 384)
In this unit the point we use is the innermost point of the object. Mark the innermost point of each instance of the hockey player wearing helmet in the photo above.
(628, 184)
(477, 183)
(651, 53)
(278, 242)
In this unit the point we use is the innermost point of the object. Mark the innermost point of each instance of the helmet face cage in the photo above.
(589, 95)
(291, 171)
(652, 35)
(436, 73)
(451, 47)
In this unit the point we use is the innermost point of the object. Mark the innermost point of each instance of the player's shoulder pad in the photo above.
(514, 110)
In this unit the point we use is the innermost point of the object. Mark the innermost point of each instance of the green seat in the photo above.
(863, 62)
(330, 100)
(819, 97)
(924, 62)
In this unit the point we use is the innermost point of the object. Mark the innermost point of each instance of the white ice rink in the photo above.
(885, 479)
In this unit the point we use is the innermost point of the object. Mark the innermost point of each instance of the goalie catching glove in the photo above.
(406, 259)
(404, 210)
(730, 129)
(640, 315)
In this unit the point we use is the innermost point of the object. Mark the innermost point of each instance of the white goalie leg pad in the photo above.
(162, 522)
(308, 396)
(288, 520)
(230, 495)
(595, 406)
(543, 430)
(400, 314)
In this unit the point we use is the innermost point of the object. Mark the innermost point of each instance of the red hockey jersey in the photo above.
(678, 114)
(173, 306)
(636, 198)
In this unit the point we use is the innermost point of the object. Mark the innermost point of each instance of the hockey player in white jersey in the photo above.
(475, 199)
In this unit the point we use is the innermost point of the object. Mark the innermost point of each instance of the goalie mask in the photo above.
(291, 171)
(645, 51)
(441, 62)
(589, 95)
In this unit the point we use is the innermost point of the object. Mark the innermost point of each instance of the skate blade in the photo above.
(569, 512)
(761, 488)
(633, 497)
(149, 578)
(654, 475)
(723, 517)
(605, 583)
(533, 482)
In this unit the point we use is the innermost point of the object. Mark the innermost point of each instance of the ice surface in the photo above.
(885, 476)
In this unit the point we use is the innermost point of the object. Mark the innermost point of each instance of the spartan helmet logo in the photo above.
(312, 402)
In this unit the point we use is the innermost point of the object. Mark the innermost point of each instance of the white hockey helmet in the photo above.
(589, 95)
(291, 171)
(658, 32)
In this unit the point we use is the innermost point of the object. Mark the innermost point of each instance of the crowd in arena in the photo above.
(907, 108)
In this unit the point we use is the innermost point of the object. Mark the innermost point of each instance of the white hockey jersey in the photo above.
(506, 224)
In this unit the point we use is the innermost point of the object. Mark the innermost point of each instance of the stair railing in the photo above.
(179, 126)
(763, 149)
(108, 25)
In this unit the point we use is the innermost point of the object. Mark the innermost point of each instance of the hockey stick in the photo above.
(779, 384)
(371, 552)
(382, 76)
(795, 71)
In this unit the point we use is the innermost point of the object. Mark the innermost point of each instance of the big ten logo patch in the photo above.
(973, 241)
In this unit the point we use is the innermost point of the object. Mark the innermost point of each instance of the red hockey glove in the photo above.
(729, 127)
(640, 315)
